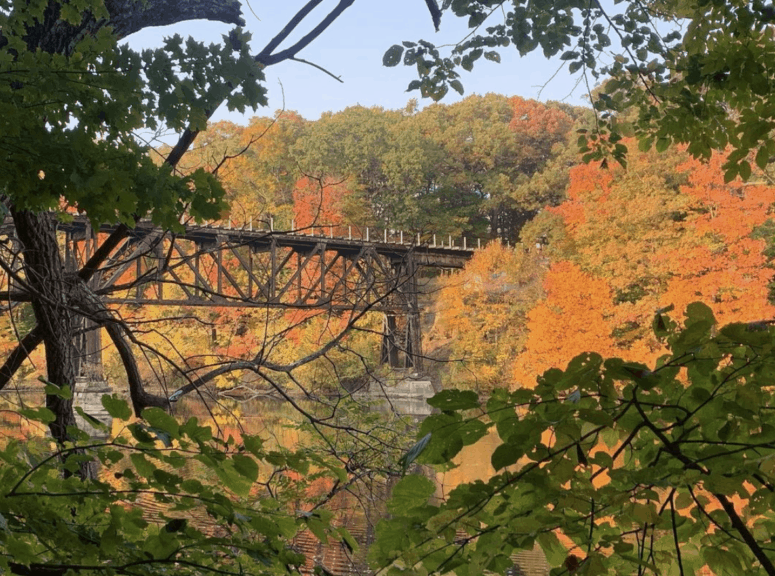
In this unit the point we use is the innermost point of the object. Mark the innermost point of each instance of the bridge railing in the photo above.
(358, 233)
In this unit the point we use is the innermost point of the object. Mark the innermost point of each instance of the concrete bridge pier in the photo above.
(90, 384)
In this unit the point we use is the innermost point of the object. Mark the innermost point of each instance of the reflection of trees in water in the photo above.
(357, 512)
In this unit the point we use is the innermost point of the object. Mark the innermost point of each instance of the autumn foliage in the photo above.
(319, 203)
(666, 232)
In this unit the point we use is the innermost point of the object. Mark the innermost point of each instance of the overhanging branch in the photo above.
(129, 16)
(266, 57)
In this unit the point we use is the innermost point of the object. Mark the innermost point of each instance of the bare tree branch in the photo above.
(266, 57)
(288, 28)
(19, 354)
(433, 8)
(303, 61)
(140, 398)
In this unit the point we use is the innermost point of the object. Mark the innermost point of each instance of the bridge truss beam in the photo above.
(237, 268)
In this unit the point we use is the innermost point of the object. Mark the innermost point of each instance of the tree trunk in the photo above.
(49, 286)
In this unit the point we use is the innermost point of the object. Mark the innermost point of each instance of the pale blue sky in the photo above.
(353, 47)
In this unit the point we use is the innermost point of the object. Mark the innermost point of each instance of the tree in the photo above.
(488, 149)
(666, 231)
(72, 98)
(480, 319)
(613, 467)
(662, 233)
(573, 318)
(260, 179)
(448, 169)
(321, 204)
(56, 525)
(692, 72)
(383, 163)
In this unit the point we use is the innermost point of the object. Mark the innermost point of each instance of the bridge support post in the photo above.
(90, 383)
(413, 338)
(413, 325)
(405, 339)
(389, 350)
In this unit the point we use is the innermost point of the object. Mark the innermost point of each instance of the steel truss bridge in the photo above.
(219, 266)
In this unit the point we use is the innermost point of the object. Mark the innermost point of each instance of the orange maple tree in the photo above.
(666, 231)
(728, 270)
(480, 315)
(319, 203)
(574, 317)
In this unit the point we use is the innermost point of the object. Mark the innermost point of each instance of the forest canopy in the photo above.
(459, 169)
(691, 73)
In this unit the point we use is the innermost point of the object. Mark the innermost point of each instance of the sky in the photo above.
(352, 48)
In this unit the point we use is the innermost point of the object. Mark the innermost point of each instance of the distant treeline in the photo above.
(481, 167)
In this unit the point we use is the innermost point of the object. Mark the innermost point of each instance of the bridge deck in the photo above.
(216, 266)
(227, 267)
(389, 245)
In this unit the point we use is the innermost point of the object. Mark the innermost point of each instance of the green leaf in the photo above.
(43, 415)
(745, 170)
(198, 433)
(90, 419)
(594, 565)
(393, 56)
(721, 561)
(552, 547)
(159, 419)
(445, 442)
(233, 480)
(506, 455)
(142, 465)
(117, 407)
(348, 540)
(644, 144)
(450, 400)
(492, 56)
(192, 486)
(762, 158)
(410, 492)
(246, 466)
(253, 444)
(61, 391)
(699, 312)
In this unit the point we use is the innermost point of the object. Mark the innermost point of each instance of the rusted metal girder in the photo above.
(215, 266)
(221, 267)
